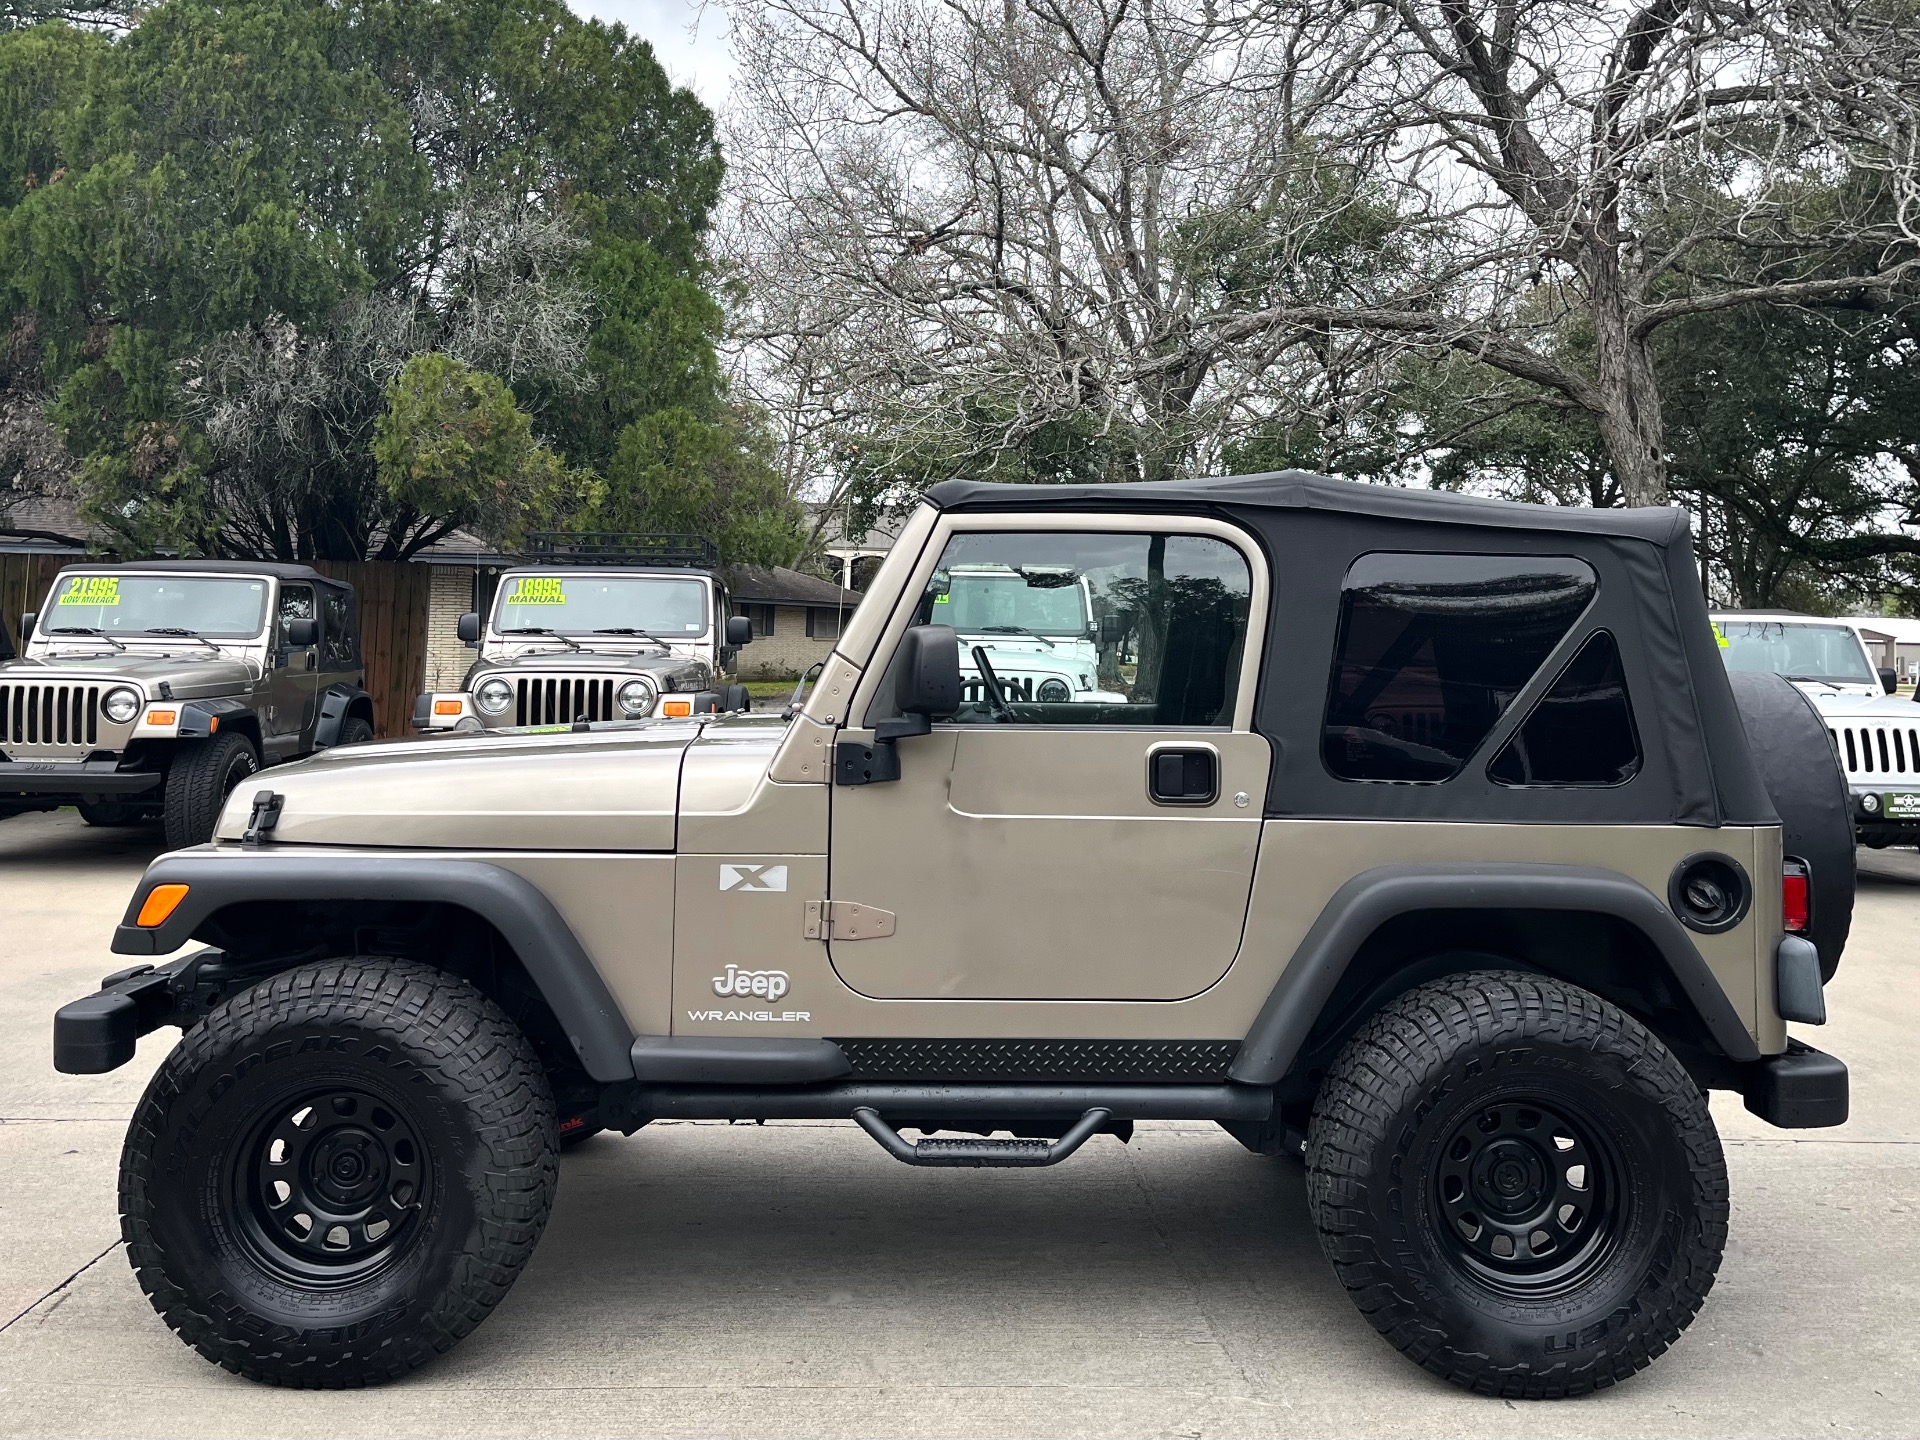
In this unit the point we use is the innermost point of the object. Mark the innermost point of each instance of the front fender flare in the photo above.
(1372, 898)
(337, 702)
(554, 958)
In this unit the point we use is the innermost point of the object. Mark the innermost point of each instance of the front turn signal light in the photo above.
(447, 707)
(161, 902)
(162, 717)
(677, 708)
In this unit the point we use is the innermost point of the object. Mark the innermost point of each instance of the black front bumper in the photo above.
(42, 779)
(1802, 1089)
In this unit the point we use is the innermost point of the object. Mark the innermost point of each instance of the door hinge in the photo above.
(845, 920)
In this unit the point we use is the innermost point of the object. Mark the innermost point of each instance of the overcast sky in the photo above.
(688, 36)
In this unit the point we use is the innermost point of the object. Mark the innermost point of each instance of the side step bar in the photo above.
(630, 1105)
(981, 1154)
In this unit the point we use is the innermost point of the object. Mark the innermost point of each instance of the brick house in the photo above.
(796, 618)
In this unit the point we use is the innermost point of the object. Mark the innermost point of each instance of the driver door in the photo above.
(1079, 850)
(294, 680)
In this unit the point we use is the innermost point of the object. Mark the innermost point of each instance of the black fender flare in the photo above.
(1373, 897)
(337, 703)
(525, 917)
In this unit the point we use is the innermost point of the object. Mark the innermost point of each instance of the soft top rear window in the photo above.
(1431, 651)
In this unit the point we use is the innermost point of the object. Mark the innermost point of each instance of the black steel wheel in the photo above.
(331, 1185)
(1529, 1196)
(1518, 1184)
(339, 1173)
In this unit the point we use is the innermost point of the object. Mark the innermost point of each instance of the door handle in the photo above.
(1183, 775)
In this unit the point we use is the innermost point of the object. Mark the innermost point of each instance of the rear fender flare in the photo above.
(1370, 899)
(513, 905)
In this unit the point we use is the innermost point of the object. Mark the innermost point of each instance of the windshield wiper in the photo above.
(182, 631)
(90, 632)
(631, 630)
(1016, 630)
(542, 630)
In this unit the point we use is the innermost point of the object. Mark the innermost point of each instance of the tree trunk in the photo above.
(1630, 424)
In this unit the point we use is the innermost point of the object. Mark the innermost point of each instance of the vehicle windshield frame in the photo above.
(90, 617)
(596, 627)
(1725, 625)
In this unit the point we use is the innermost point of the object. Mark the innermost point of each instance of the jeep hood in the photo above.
(1888, 708)
(192, 671)
(615, 787)
(579, 662)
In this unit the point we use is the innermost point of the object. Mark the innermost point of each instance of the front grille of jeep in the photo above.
(50, 716)
(1882, 751)
(560, 700)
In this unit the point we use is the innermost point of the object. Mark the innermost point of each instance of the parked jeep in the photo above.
(1420, 837)
(1029, 632)
(1875, 734)
(584, 636)
(151, 690)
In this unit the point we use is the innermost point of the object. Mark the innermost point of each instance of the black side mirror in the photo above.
(302, 633)
(739, 630)
(1112, 631)
(1889, 680)
(26, 625)
(468, 628)
(926, 686)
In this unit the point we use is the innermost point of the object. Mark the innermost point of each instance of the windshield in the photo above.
(663, 607)
(218, 607)
(978, 604)
(1831, 653)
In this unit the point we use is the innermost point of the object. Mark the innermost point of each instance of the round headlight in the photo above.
(636, 698)
(493, 696)
(1054, 690)
(120, 705)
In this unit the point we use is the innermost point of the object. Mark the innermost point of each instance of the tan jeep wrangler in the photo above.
(1422, 838)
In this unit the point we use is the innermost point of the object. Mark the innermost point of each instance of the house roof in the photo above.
(48, 524)
(777, 585)
(1900, 631)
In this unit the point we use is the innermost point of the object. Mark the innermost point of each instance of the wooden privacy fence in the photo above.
(391, 600)
(24, 582)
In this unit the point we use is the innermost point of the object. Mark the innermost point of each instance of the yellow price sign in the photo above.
(538, 590)
(94, 590)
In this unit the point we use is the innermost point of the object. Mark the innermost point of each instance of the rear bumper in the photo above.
(80, 777)
(1801, 1089)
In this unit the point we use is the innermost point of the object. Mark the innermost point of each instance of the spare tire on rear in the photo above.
(1794, 751)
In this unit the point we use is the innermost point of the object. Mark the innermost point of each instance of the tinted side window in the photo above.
(296, 603)
(1093, 628)
(1581, 732)
(341, 647)
(1432, 649)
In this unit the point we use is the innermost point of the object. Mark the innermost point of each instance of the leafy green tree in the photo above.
(453, 444)
(230, 231)
(678, 472)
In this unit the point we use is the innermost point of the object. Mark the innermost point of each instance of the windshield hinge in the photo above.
(845, 920)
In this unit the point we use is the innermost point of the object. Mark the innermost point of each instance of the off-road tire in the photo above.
(354, 731)
(431, 1059)
(111, 814)
(202, 775)
(1407, 1102)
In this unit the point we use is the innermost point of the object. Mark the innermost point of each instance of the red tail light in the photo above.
(1796, 898)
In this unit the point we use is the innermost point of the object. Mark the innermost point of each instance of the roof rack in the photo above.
(620, 547)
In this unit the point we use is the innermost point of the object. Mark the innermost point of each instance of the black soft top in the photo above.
(279, 569)
(1698, 769)
(1300, 490)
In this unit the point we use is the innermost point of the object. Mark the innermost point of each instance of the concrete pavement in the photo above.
(793, 1280)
